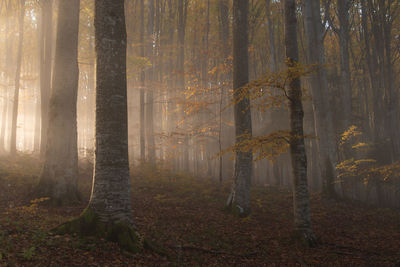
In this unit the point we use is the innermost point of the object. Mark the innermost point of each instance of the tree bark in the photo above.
(392, 103)
(182, 11)
(46, 51)
(320, 95)
(271, 37)
(142, 85)
(223, 8)
(344, 39)
(223, 11)
(109, 212)
(13, 137)
(111, 188)
(151, 150)
(301, 201)
(6, 100)
(59, 178)
(4, 119)
(239, 199)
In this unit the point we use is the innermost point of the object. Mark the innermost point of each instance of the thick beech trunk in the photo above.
(45, 69)
(111, 188)
(239, 199)
(109, 213)
(301, 201)
(60, 172)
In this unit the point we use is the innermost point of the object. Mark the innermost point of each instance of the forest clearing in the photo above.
(184, 216)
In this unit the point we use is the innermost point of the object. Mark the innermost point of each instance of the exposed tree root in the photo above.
(88, 224)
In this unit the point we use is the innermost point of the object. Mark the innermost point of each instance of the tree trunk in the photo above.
(45, 70)
(13, 137)
(36, 143)
(271, 37)
(182, 11)
(111, 189)
(223, 11)
(36, 132)
(4, 120)
(151, 150)
(142, 85)
(109, 213)
(344, 38)
(319, 87)
(301, 201)
(392, 116)
(59, 178)
(239, 199)
(223, 8)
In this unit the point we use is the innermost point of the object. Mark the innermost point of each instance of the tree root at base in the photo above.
(88, 224)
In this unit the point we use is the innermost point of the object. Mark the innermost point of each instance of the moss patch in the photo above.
(88, 224)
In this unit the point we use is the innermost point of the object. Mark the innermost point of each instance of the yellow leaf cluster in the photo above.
(270, 90)
(262, 147)
(347, 135)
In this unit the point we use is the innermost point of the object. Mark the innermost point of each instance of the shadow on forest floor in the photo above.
(185, 216)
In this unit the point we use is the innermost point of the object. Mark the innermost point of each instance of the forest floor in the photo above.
(185, 217)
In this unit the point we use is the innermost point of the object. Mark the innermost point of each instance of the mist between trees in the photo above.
(215, 88)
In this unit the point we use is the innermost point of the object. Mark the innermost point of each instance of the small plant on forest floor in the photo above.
(28, 254)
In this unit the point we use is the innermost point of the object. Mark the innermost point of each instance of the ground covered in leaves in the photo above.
(185, 217)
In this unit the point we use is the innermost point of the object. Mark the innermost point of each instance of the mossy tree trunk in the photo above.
(239, 199)
(109, 212)
(297, 147)
(60, 172)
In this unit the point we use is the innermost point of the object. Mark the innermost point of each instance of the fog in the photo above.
(180, 91)
(199, 132)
